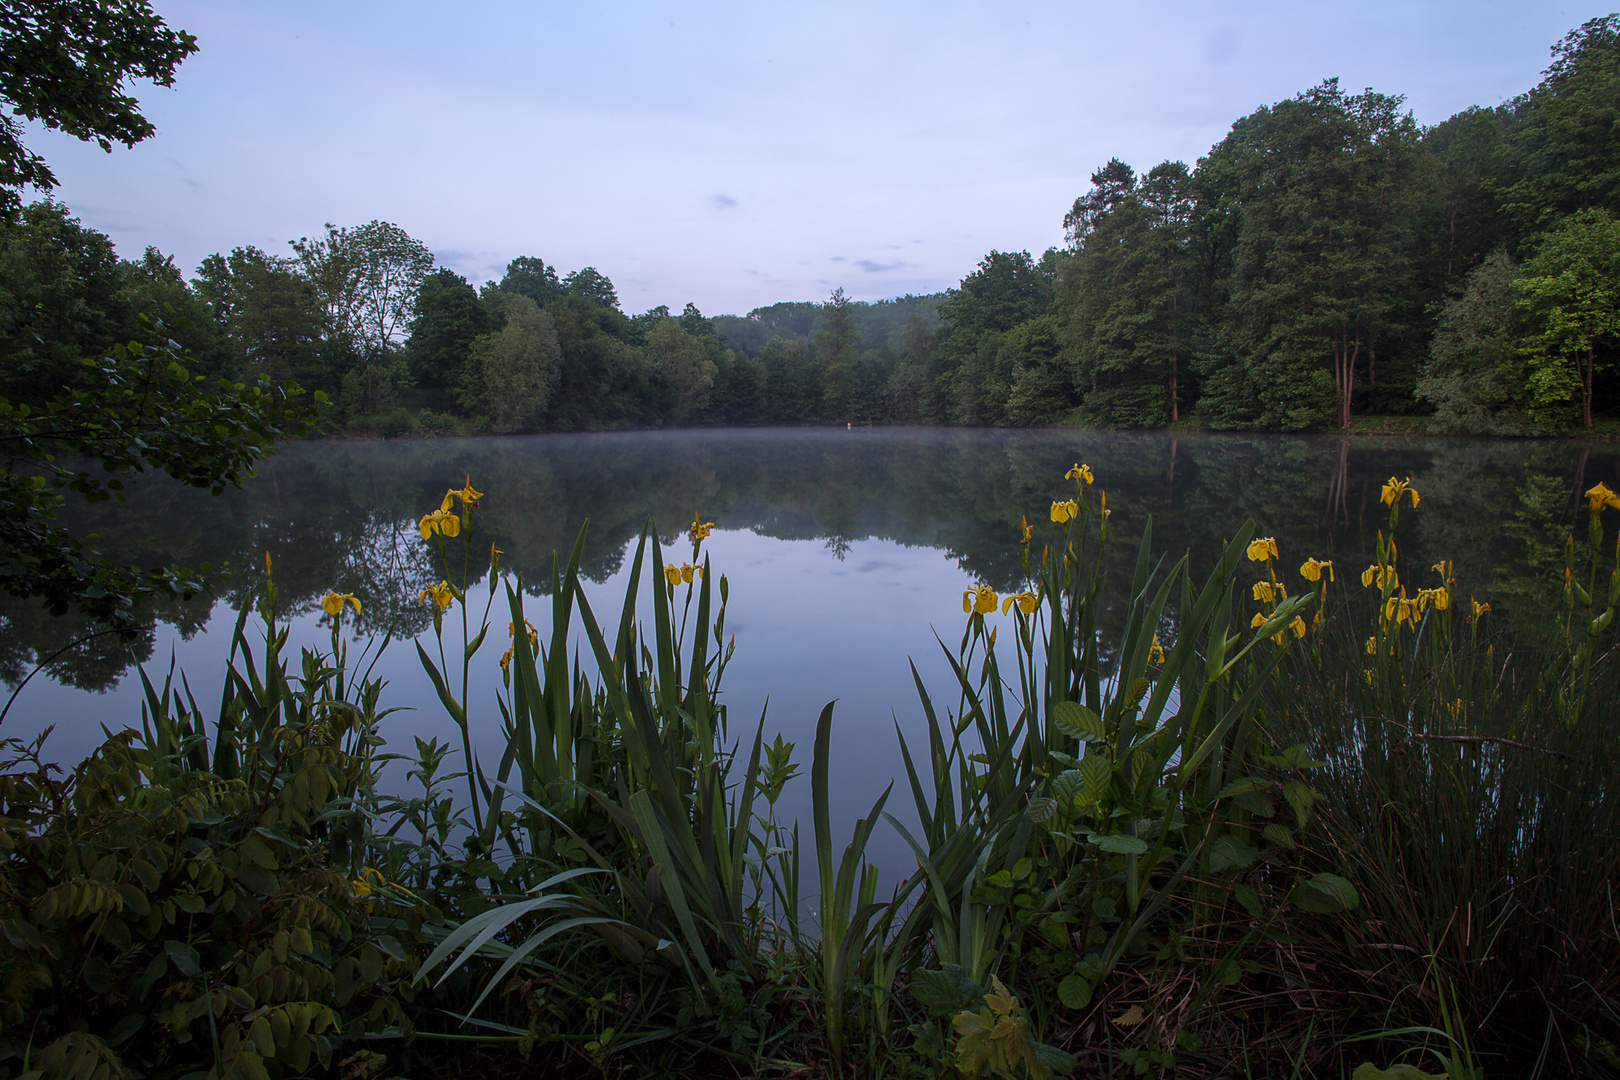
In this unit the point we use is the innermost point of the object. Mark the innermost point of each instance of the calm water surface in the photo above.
(846, 551)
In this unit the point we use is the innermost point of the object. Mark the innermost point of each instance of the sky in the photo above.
(735, 154)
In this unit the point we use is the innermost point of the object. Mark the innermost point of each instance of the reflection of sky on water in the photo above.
(810, 628)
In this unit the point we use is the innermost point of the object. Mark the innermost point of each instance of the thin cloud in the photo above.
(723, 202)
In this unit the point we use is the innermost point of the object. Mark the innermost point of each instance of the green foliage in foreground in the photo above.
(1262, 829)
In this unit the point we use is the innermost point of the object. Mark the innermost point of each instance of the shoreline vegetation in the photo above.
(1287, 818)
(1330, 261)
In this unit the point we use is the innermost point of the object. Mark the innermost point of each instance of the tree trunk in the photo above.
(1344, 371)
(1586, 386)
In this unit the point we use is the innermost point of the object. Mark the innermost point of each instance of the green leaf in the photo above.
(185, 958)
(1325, 894)
(1227, 851)
(945, 991)
(1119, 843)
(1097, 770)
(1249, 899)
(1074, 992)
(1368, 1071)
(1091, 968)
(1227, 972)
(1060, 1062)
(1078, 722)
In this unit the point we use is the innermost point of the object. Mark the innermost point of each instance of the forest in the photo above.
(1331, 258)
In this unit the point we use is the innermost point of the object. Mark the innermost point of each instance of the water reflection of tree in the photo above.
(342, 516)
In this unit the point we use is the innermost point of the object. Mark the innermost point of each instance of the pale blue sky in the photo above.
(735, 154)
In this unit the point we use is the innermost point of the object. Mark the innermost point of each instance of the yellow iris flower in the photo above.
(332, 603)
(1372, 646)
(1478, 609)
(443, 521)
(684, 572)
(1439, 599)
(467, 495)
(1600, 496)
(1027, 529)
(1381, 575)
(1156, 651)
(441, 595)
(1311, 569)
(1065, 511)
(1394, 489)
(1258, 621)
(1298, 626)
(699, 529)
(534, 635)
(1027, 603)
(979, 600)
(1443, 568)
(1263, 550)
(1080, 472)
(1268, 592)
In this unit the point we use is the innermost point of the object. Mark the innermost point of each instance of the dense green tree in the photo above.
(271, 313)
(1477, 377)
(836, 346)
(969, 380)
(683, 366)
(531, 277)
(602, 381)
(62, 298)
(155, 287)
(67, 64)
(1323, 264)
(367, 279)
(448, 318)
(511, 373)
(1571, 301)
(1463, 223)
(1127, 295)
(1564, 147)
(593, 285)
(1042, 391)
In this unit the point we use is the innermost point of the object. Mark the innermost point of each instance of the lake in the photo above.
(846, 552)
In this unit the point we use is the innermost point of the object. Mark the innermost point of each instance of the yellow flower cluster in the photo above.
(1382, 576)
(445, 521)
(684, 572)
(1080, 472)
(1297, 626)
(699, 529)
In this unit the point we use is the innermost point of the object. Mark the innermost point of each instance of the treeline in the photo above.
(400, 346)
(1328, 258)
